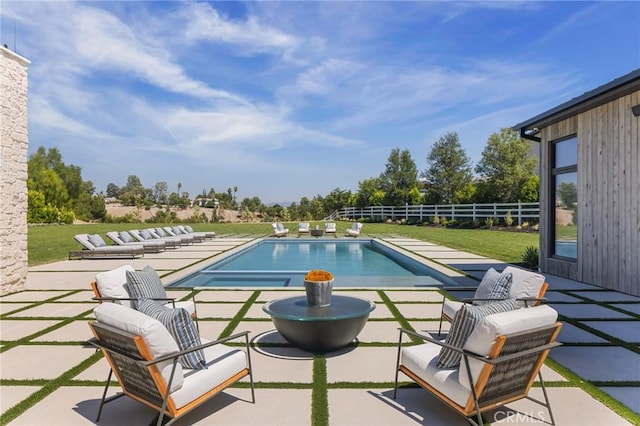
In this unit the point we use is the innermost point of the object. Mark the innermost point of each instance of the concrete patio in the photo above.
(44, 332)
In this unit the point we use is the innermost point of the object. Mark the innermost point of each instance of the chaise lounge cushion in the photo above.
(125, 236)
(484, 335)
(181, 326)
(155, 335)
(112, 284)
(97, 240)
(463, 325)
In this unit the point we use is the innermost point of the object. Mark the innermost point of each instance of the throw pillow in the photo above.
(463, 324)
(96, 240)
(126, 237)
(498, 291)
(182, 328)
(161, 232)
(145, 284)
(188, 228)
(488, 281)
(146, 234)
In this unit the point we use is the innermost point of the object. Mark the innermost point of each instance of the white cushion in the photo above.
(155, 335)
(111, 283)
(524, 283)
(421, 360)
(187, 305)
(450, 307)
(483, 337)
(223, 362)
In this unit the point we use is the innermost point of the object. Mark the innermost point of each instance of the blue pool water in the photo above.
(362, 263)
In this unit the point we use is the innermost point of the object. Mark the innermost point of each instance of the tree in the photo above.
(448, 170)
(337, 199)
(568, 194)
(113, 190)
(399, 178)
(369, 193)
(505, 166)
(161, 192)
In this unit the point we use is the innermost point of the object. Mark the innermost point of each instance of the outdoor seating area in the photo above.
(52, 371)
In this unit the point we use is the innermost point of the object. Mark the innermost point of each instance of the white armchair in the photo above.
(147, 362)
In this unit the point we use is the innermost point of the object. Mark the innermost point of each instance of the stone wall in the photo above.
(14, 141)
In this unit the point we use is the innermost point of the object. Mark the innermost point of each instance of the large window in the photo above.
(564, 178)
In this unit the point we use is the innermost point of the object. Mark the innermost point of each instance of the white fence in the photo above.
(520, 212)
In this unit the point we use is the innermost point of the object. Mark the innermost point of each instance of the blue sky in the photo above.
(293, 99)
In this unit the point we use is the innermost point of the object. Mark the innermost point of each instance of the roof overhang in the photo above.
(606, 93)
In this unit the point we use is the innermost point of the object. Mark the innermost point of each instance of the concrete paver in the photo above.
(275, 362)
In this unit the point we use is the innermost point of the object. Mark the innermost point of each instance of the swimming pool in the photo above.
(284, 263)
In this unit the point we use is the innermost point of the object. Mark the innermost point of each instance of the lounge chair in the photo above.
(208, 235)
(112, 286)
(526, 287)
(330, 228)
(123, 238)
(169, 232)
(493, 365)
(303, 228)
(155, 366)
(171, 242)
(181, 230)
(354, 231)
(94, 247)
(279, 230)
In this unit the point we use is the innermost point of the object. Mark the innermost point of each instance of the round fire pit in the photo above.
(319, 329)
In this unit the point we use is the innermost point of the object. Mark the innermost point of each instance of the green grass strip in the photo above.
(240, 315)
(319, 394)
(51, 386)
(396, 313)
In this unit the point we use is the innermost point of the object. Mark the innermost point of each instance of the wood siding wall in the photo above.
(608, 196)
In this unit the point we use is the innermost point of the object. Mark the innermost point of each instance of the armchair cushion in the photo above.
(421, 360)
(181, 326)
(112, 284)
(463, 325)
(499, 290)
(525, 283)
(156, 336)
(145, 284)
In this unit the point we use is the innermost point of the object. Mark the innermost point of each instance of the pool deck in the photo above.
(44, 330)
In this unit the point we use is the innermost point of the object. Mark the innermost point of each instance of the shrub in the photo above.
(436, 220)
(488, 222)
(452, 224)
(508, 220)
(531, 257)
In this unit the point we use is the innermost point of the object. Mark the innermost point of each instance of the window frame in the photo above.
(554, 172)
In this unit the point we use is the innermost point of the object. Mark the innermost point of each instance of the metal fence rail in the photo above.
(520, 212)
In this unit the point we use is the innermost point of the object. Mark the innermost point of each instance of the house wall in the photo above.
(608, 196)
(13, 171)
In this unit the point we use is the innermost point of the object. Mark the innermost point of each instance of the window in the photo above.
(564, 181)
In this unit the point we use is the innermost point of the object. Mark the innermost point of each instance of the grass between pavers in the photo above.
(319, 404)
(52, 243)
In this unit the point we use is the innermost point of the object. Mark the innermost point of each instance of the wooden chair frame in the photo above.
(130, 360)
(507, 375)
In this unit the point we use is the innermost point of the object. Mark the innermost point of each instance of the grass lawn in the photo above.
(52, 243)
